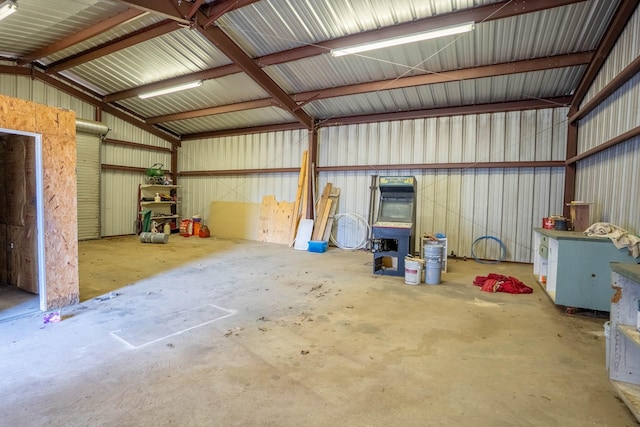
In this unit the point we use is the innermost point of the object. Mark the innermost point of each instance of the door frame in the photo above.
(40, 258)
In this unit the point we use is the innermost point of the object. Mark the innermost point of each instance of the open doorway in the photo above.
(22, 272)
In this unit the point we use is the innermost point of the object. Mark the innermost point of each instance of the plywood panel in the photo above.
(4, 255)
(15, 183)
(275, 220)
(22, 258)
(57, 130)
(234, 219)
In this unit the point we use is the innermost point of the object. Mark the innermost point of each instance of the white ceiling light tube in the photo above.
(171, 89)
(411, 38)
(7, 8)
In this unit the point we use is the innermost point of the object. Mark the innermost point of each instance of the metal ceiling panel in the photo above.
(558, 30)
(136, 24)
(177, 53)
(214, 92)
(237, 120)
(39, 23)
(276, 25)
(540, 84)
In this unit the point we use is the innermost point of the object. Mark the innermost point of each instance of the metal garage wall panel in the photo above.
(616, 115)
(88, 172)
(464, 204)
(626, 49)
(609, 178)
(119, 203)
(123, 131)
(36, 91)
(257, 151)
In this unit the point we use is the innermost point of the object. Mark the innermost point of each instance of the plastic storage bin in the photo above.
(318, 246)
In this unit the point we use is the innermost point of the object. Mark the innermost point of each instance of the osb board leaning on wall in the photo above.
(58, 133)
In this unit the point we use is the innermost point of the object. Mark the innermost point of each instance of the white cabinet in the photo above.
(162, 203)
(624, 344)
(574, 268)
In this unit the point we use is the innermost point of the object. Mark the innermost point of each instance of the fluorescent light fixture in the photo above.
(431, 34)
(7, 8)
(171, 89)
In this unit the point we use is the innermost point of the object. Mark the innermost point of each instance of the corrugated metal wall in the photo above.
(259, 151)
(120, 188)
(463, 204)
(609, 179)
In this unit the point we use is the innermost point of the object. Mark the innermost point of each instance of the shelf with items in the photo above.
(158, 205)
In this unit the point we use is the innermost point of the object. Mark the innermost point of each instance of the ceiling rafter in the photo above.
(482, 13)
(492, 12)
(499, 107)
(124, 42)
(530, 65)
(81, 36)
(617, 25)
(502, 107)
(221, 109)
(171, 9)
(221, 7)
(211, 73)
(232, 51)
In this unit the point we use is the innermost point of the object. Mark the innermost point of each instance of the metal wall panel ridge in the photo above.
(263, 151)
(466, 203)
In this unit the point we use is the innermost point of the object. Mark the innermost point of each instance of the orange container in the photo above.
(548, 223)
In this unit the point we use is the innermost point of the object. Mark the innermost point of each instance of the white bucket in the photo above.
(412, 271)
(607, 333)
(433, 258)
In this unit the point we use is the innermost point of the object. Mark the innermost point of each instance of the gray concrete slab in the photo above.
(260, 334)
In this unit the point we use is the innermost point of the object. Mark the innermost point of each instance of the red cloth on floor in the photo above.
(499, 283)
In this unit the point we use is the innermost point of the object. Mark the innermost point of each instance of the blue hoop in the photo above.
(503, 250)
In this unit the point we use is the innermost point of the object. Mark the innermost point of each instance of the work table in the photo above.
(574, 269)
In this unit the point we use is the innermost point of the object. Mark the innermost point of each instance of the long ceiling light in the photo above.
(7, 8)
(395, 41)
(171, 89)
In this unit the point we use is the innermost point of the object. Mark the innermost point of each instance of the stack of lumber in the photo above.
(300, 204)
(325, 210)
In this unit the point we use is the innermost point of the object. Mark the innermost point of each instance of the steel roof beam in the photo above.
(171, 9)
(221, 109)
(245, 131)
(618, 23)
(129, 40)
(463, 110)
(492, 12)
(221, 7)
(81, 36)
(220, 40)
(211, 73)
(529, 65)
(537, 64)
(485, 13)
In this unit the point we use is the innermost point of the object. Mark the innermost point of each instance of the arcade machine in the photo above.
(393, 232)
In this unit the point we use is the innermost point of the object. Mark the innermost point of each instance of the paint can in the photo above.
(413, 270)
(433, 259)
(147, 237)
(548, 223)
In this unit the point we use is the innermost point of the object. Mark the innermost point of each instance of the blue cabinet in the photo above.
(574, 269)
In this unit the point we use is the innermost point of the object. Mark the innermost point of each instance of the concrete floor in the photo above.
(249, 334)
